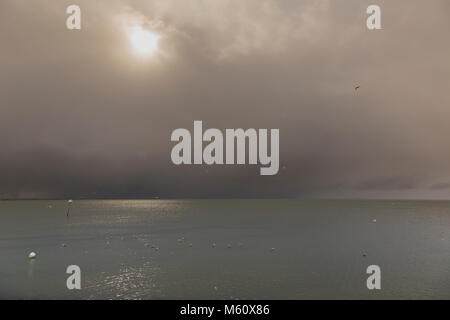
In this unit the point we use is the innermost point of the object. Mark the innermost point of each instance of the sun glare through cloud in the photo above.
(144, 42)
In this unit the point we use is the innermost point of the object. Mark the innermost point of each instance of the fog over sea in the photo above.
(225, 249)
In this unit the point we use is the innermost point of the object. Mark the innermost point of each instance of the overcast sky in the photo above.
(83, 115)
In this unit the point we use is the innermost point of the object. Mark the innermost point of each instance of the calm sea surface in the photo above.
(225, 249)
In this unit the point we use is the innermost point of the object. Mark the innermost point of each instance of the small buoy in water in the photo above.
(190, 244)
(69, 205)
(364, 255)
(272, 249)
(64, 245)
(374, 220)
(32, 255)
(215, 288)
(214, 245)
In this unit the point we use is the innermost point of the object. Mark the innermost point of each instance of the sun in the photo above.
(143, 41)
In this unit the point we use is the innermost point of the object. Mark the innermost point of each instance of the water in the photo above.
(225, 249)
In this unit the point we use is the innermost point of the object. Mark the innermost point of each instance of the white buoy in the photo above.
(32, 255)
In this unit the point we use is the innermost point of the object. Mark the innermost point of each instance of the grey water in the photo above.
(225, 249)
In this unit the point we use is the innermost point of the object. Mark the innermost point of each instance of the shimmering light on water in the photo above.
(222, 249)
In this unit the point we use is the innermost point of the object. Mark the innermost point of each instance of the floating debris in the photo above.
(32, 255)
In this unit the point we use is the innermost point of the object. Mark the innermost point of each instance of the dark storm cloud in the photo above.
(82, 116)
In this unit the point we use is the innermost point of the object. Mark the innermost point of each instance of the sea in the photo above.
(225, 249)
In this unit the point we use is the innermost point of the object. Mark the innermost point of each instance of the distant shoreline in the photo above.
(146, 199)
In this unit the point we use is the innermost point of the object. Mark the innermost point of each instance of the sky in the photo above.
(84, 115)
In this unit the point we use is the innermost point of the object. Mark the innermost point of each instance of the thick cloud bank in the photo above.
(82, 116)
